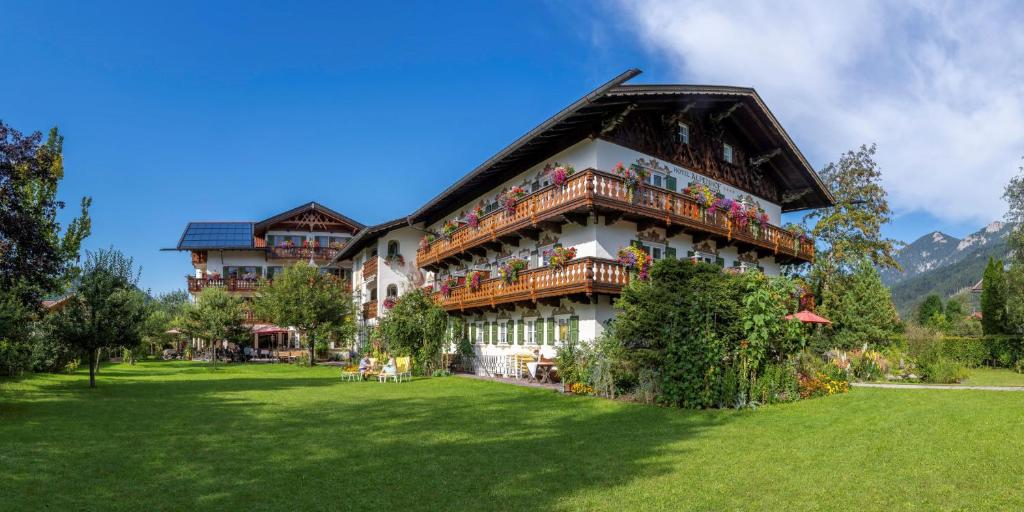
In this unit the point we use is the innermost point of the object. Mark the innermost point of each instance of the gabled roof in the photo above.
(262, 225)
(242, 235)
(584, 118)
(368, 236)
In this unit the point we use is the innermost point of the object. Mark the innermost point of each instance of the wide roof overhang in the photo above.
(749, 118)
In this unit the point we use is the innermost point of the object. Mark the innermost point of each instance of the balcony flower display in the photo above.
(427, 240)
(448, 228)
(559, 257)
(389, 302)
(511, 197)
(559, 173)
(636, 260)
(634, 176)
(476, 279)
(447, 285)
(509, 271)
(472, 219)
(393, 259)
(702, 194)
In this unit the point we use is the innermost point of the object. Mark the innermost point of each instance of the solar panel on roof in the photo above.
(215, 235)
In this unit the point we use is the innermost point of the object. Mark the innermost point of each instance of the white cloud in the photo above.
(939, 86)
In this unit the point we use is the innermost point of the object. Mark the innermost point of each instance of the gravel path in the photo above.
(936, 386)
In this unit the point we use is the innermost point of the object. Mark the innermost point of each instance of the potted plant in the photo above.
(509, 271)
(449, 228)
(634, 177)
(476, 279)
(636, 260)
(447, 285)
(559, 257)
(559, 173)
(511, 197)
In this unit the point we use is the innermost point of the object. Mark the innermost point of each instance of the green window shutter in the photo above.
(487, 332)
(551, 331)
(538, 331)
(670, 183)
(670, 252)
(494, 333)
(720, 262)
(522, 331)
(472, 333)
(574, 328)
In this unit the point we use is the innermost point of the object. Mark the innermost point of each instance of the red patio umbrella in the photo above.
(809, 318)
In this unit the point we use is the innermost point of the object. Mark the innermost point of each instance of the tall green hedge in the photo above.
(982, 350)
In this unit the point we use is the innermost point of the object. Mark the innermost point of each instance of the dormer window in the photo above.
(682, 133)
(727, 153)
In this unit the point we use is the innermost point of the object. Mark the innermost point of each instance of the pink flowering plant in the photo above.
(427, 240)
(634, 176)
(559, 173)
(559, 257)
(702, 194)
(510, 270)
(473, 217)
(510, 198)
(447, 285)
(449, 228)
(476, 280)
(636, 260)
(390, 302)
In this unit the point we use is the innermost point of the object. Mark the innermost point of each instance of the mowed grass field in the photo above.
(178, 436)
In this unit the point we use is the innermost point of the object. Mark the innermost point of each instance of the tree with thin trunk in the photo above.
(105, 311)
(218, 316)
(318, 304)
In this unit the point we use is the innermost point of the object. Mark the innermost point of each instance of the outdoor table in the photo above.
(544, 372)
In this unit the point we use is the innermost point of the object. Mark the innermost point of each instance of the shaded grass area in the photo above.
(993, 377)
(177, 436)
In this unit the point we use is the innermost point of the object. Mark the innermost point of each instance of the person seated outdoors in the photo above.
(364, 366)
(389, 369)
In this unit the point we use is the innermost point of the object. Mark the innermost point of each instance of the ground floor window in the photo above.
(531, 328)
(502, 332)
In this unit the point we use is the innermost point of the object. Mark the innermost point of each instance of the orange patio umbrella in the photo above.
(809, 318)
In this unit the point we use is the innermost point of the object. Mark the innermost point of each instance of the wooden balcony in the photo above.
(370, 269)
(583, 276)
(370, 310)
(302, 253)
(597, 191)
(231, 284)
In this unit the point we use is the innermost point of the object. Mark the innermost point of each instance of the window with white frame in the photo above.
(531, 327)
(682, 133)
(657, 250)
(480, 332)
(727, 153)
(503, 332)
(562, 330)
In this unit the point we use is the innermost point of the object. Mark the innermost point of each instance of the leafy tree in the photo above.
(860, 308)
(106, 310)
(682, 324)
(218, 316)
(993, 298)
(163, 316)
(931, 306)
(955, 308)
(415, 327)
(317, 304)
(34, 258)
(1014, 196)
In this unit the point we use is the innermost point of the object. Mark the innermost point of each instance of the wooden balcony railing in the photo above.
(370, 310)
(580, 276)
(303, 253)
(231, 284)
(591, 188)
(370, 269)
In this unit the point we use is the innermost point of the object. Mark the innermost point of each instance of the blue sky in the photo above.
(237, 111)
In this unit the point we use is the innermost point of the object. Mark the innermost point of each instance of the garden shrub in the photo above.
(972, 352)
(778, 383)
(15, 358)
(943, 371)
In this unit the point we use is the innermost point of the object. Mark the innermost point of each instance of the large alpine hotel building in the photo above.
(689, 140)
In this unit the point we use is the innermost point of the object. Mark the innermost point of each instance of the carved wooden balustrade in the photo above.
(231, 284)
(580, 276)
(303, 253)
(370, 269)
(591, 188)
(370, 310)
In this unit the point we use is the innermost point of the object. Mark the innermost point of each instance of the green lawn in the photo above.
(176, 436)
(993, 377)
